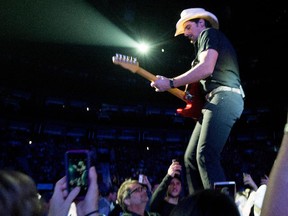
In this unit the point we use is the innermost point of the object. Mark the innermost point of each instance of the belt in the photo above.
(224, 88)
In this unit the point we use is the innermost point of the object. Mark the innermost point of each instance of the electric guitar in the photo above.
(192, 95)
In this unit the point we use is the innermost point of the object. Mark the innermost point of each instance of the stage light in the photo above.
(143, 47)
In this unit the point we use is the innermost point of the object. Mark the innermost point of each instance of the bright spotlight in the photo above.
(143, 48)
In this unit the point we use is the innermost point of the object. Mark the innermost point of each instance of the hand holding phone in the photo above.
(77, 168)
(227, 187)
(60, 202)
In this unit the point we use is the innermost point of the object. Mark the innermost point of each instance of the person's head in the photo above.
(207, 202)
(155, 186)
(18, 195)
(132, 194)
(81, 164)
(175, 187)
(110, 192)
(192, 22)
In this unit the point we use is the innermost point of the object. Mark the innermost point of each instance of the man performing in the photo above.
(215, 67)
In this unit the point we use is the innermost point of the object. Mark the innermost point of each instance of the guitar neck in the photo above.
(147, 75)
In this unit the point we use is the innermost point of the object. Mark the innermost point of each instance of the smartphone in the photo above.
(77, 164)
(227, 187)
(141, 178)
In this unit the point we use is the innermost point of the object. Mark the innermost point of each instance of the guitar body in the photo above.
(195, 101)
(192, 94)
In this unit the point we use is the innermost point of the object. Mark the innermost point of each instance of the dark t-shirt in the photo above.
(165, 208)
(226, 71)
(157, 201)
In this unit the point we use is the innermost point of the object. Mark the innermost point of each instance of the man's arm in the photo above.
(161, 191)
(159, 194)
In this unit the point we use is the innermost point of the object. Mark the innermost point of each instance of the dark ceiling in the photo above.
(64, 47)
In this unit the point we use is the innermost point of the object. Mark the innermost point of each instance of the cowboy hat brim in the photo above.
(194, 13)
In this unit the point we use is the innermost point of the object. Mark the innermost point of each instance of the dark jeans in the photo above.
(203, 153)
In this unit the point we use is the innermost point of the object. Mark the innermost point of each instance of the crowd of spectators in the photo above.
(29, 145)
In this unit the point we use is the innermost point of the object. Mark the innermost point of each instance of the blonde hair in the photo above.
(124, 192)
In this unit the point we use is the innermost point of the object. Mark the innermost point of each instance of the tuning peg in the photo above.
(124, 58)
(130, 59)
(118, 56)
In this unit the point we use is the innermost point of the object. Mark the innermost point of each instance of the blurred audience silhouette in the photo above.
(206, 202)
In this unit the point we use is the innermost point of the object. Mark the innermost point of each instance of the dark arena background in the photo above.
(60, 90)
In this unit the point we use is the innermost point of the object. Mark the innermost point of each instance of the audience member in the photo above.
(167, 194)
(241, 198)
(132, 197)
(258, 201)
(19, 195)
(275, 199)
(117, 210)
(108, 197)
(155, 186)
(61, 201)
(248, 180)
(255, 196)
(252, 204)
(207, 202)
(145, 181)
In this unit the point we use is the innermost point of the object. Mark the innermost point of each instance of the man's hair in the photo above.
(18, 195)
(207, 23)
(124, 192)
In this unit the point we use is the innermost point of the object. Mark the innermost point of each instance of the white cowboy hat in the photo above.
(194, 13)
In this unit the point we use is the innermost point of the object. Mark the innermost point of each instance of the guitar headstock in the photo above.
(127, 62)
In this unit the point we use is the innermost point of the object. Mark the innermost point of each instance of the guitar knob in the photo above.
(188, 96)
